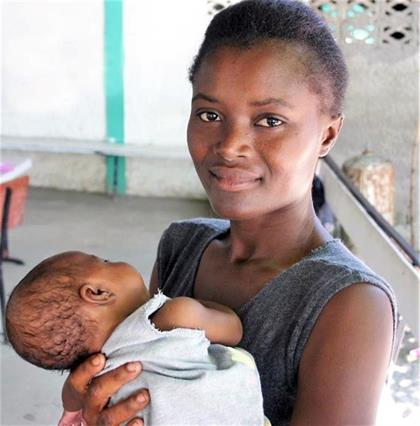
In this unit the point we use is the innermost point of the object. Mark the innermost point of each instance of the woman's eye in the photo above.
(270, 122)
(209, 116)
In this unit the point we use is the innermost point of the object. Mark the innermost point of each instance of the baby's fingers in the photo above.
(125, 410)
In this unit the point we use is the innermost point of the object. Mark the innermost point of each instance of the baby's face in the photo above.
(120, 278)
(124, 280)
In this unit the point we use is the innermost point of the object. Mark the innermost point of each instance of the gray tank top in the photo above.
(279, 319)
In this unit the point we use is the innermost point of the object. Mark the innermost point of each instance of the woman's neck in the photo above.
(284, 236)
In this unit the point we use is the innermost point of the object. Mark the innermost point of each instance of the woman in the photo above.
(268, 87)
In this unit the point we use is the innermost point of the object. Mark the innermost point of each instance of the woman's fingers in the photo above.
(80, 389)
(136, 422)
(103, 387)
(77, 382)
(125, 410)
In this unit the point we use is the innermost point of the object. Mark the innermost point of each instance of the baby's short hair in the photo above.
(45, 322)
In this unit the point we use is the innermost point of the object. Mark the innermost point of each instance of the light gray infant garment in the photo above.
(190, 380)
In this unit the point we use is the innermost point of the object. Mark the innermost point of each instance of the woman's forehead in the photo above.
(260, 72)
(270, 52)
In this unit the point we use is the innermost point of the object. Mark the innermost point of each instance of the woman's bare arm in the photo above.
(344, 363)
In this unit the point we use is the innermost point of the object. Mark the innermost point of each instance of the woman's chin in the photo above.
(230, 211)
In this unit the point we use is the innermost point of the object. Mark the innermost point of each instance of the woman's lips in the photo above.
(233, 179)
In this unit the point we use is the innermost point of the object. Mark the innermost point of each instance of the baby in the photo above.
(74, 304)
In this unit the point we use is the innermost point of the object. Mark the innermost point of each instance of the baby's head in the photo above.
(65, 308)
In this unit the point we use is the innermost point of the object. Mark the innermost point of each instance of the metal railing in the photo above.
(389, 230)
(375, 241)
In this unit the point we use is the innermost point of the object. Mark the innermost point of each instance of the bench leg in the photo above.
(4, 242)
(4, 249)
(3, 304)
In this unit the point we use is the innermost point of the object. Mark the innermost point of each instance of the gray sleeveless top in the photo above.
(278, 320)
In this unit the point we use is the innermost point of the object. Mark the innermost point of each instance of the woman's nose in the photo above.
(234, 143)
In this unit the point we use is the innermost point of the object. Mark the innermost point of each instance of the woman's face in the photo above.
(256, 130)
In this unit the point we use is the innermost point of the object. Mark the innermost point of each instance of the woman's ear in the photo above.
(330, 135)
(97, 294)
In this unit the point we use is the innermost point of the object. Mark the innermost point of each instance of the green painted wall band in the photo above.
(114, 91)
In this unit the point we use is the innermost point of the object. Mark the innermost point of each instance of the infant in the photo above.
(74, 304)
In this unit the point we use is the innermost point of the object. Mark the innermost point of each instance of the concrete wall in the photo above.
(77, 172)
(53, 80)
(382, 113)
(53, 68)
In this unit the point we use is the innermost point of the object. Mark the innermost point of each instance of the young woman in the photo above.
(268, 87)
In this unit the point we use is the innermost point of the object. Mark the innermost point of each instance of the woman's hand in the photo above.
(82, 392)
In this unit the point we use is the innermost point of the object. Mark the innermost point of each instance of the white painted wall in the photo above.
(53, 77)
(161, 39)
(52, 74)
(53, 68)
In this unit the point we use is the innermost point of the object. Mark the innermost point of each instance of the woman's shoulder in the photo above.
(332, 268)
(180, 249)
(314, 280)
(202, 223)
(333, 256)
(309, 285)
(196, 228)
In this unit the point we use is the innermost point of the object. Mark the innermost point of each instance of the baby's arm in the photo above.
(219, 322)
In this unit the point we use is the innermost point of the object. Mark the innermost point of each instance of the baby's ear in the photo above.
(97, 294)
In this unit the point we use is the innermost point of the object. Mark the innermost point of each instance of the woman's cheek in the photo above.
(200, 141)
(197, 151)
(192, 141)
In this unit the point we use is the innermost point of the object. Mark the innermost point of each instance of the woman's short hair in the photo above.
(250, 22)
